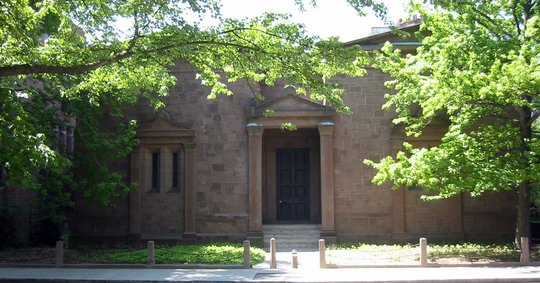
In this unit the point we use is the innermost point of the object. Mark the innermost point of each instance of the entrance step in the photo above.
(301, 237)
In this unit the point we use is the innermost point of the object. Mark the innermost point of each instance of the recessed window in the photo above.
(175, 171)
(165, 166)
(64, 139)
(155, 171)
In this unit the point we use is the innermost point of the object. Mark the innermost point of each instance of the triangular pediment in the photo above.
(291, 106)
(161, 126)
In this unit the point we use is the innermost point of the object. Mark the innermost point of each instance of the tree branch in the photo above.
(514, 14)
(488, 103)
(133, 40)
(497, 28)
(535, 116)
(27, 69)
(253, 29)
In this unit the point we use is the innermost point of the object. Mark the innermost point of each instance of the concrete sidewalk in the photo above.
(308, 271)
(448, 274)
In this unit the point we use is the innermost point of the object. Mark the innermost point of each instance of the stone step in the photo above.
(287, 247)
(296, 232)
(295, 239)
(293, 232)
(300, 237)
(292, 239)
(291, 227)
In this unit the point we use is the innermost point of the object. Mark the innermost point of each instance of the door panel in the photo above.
(292, 184)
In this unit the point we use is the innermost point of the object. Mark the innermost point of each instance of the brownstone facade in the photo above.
(234, 168)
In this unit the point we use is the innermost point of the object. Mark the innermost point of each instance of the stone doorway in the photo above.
(291, 176)
(315, 132)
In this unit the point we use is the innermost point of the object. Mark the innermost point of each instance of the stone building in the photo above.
(223, 170)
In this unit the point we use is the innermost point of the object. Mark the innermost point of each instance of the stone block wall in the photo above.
(363, 210)
(162, 215)
(19, 214)
(491, 217)
(93, 223)
(431, 219)
(221, 152)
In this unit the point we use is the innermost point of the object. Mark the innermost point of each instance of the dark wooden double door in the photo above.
(293, 188)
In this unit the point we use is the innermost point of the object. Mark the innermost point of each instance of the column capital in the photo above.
(254, 129)
(326, 128)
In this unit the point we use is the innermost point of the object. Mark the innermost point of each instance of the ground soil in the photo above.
(38, 256)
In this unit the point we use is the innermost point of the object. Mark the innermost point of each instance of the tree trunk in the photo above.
(523, 221)
(523, 225)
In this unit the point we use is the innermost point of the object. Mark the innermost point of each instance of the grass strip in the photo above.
(217, 253)
(461, 251)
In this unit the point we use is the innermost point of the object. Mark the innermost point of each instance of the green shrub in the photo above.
(219, 253)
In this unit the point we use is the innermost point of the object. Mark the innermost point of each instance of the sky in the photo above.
(329, 18)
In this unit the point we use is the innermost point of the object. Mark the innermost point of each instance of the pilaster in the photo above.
(398, 215)
(190, 232)
(399, 233)
(456, 216)
(328, 227)
(135, 196)
(255, 131)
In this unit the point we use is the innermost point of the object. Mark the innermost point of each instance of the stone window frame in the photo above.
(163, 134)
(165, 179)
(64, 138)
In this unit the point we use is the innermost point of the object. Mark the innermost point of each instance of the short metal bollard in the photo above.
(294, 254)
(273, 261)
(247, 254)
(151, 253)
(322, 253)
(423, 252)
(525, 257)
(59, 254)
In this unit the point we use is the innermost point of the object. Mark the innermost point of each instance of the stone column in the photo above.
(255, 131)
(190, 231)
(328, 226)
(137, 173)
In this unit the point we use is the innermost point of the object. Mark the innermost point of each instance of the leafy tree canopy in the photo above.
(478, 66)
(73, 55)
